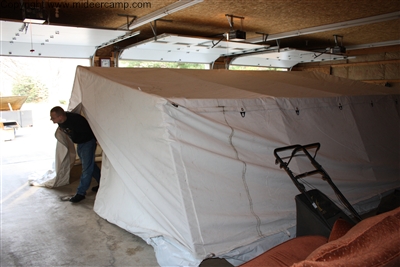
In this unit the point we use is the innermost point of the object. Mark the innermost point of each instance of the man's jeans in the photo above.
(86, 152)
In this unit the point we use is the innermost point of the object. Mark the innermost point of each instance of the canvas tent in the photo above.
(188, 160)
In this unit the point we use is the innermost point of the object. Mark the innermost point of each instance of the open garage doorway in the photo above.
(40, 84)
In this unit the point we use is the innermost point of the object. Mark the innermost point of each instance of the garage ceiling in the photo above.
(293, 25)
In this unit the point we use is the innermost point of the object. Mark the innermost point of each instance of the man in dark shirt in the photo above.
(78, 129)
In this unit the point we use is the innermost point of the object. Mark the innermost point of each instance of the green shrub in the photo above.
(31, 87)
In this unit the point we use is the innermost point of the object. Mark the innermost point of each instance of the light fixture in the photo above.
(34, 13)
(371, 45)
(329, 27)
(34, 21)
(182, 4)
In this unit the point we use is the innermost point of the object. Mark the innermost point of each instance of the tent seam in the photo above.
(258, 227)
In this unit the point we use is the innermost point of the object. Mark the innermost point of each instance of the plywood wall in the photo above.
(377, 65)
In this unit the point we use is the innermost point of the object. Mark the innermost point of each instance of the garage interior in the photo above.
(357, 40)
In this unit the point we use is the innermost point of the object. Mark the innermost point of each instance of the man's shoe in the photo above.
(95, 188)
(76, 198)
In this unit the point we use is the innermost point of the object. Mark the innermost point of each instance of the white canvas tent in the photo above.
(188, 160)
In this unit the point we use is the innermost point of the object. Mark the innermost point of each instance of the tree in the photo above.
(31, 87)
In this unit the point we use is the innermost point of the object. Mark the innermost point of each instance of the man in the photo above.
(78, 129)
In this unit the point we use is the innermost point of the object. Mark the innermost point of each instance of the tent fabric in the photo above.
(63, 163)
(188, 160)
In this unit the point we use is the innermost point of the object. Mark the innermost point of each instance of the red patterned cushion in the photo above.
(372, 242)
(339, 229)
(287, 253)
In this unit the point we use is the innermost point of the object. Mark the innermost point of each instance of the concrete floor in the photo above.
(38, 229)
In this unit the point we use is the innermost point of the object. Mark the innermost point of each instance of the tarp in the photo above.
(188, 160)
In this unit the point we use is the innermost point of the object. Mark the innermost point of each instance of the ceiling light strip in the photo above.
(329, 27)
(182, 4)
(380, 44)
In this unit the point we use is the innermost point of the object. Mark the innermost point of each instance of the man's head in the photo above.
(57, 115)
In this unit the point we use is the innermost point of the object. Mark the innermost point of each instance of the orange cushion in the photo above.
(339, 229)
(287, 253)
(372, 242)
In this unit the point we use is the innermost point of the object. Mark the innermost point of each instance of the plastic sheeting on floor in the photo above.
(188, 160)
